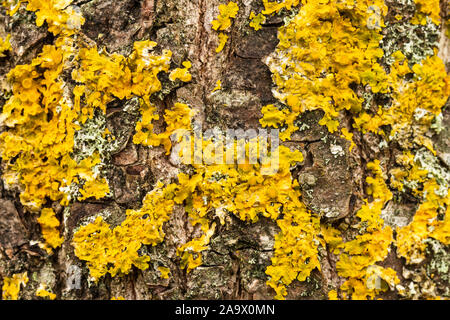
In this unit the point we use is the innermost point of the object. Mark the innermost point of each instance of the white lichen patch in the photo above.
(92, 137)
(337, 150)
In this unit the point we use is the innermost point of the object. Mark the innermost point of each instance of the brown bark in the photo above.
(234, 265)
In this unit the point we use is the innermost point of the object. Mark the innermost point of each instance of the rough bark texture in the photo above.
(332, 178)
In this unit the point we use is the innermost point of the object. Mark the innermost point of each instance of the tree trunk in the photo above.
(333, 184)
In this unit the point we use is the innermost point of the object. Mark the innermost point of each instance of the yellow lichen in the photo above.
(182, 73)
(272, 116)
(41, 122)
(94, 189)
(44, 293)
(178, 119)
(164, 272)
(227, 12)
(245, 191)
(275, 6)
(223, 38)
(197, 245)
(314, 68)
(218, 86)
(11, 286)
(322, 51)
(411, 243)
(60, 17)
(294, 257)
(256, 20)
(416, 102)
(409, 172)
(49, 226)
(242, 189)
(358, 256)
(332, 295)
(114, 250)
(349, 137)
(427, 8)
(326, 51)
(5, 46)
(223, 22)
(104, 77)
(45, 111)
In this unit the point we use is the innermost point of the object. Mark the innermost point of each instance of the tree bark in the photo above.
(332, 179)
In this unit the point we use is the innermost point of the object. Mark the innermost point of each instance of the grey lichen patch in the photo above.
(209, 283)
(253, 264)
(235, 98)
(437, 124)
(91, 138)
(213, 258)
(46, 275)
(431, 278)
(416, 42)
(430, 163)
(442, 139)
(397, 215)
(122, 122)
(313, 287)
(440, 260)
(158, 258)
(308, 179)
